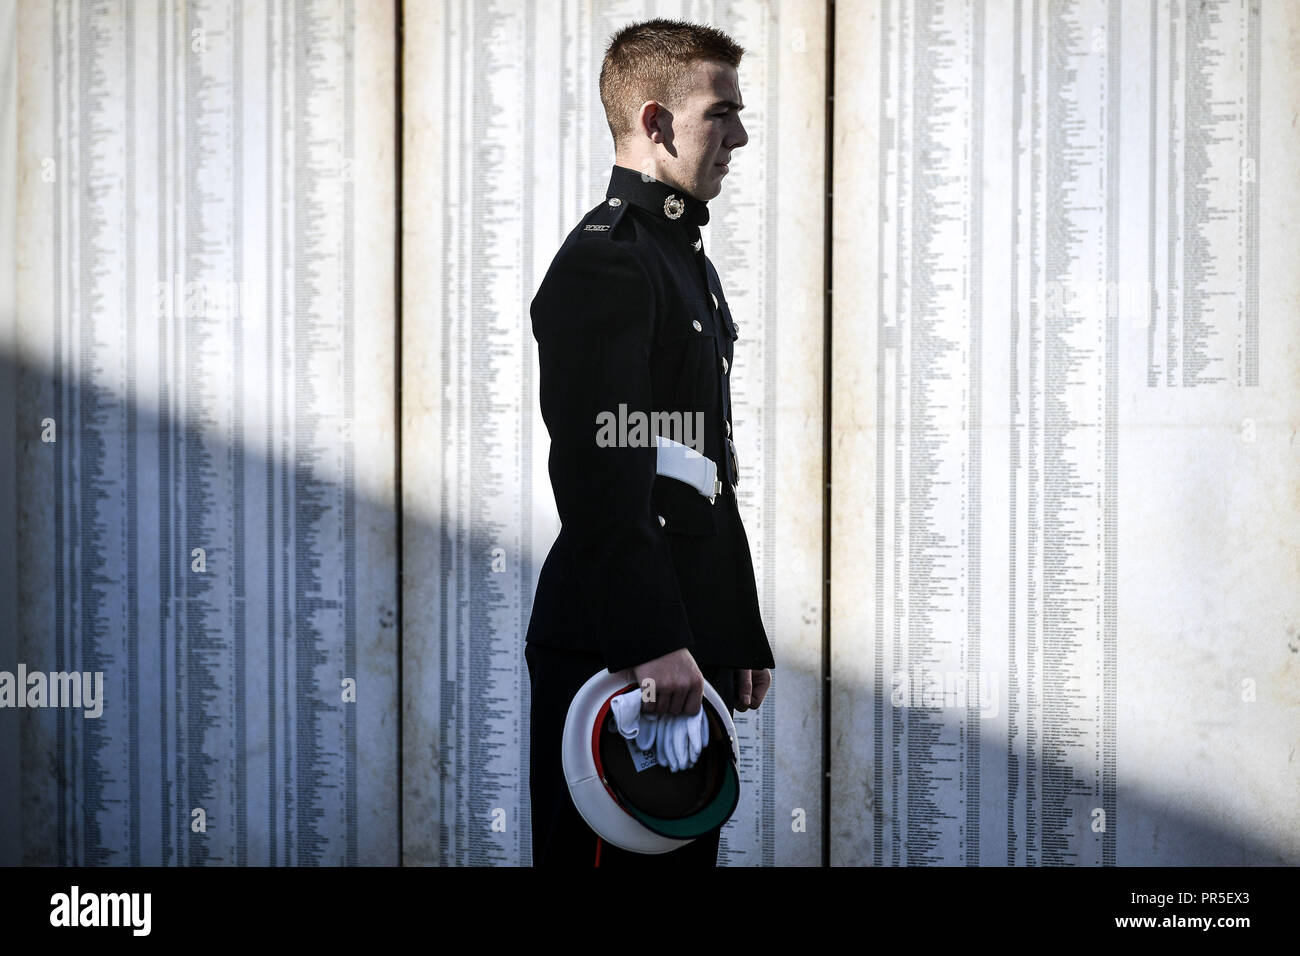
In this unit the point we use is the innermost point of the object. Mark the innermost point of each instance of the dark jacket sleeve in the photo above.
(594, 321)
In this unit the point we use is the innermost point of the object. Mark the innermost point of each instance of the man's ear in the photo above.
(654, 121)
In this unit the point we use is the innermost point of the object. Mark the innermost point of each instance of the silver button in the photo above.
(714, 298)
(728, 429)
(615, 201)
(736, 326)
(662, 522)
(697, 326)
(697, 243)
(725, 366)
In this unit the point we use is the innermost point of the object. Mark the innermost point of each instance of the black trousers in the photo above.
(560, 836)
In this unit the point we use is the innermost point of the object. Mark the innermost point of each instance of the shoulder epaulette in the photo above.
(604, 219)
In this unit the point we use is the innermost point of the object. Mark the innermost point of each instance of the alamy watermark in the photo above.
(56, 689)
(129, 910)
(950, 689)
(637, 429)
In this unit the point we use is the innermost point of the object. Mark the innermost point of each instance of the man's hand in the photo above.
(678, 685)
(751, 688)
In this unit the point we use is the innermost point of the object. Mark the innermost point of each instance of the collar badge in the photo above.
(674, 207)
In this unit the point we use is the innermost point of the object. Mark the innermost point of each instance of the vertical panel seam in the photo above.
(827, 258)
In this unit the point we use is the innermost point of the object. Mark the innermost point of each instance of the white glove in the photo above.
(697, 731)
(647, 730)
(633, 724)
(664, 748)
(682, 738)
(678, 739)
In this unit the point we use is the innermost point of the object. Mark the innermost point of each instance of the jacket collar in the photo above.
(659, 199)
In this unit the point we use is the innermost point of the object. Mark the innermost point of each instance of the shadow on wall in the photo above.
(239, 720)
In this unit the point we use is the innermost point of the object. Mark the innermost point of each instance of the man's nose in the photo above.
(741, 137)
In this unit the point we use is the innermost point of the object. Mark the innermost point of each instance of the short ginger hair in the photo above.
(650, 61)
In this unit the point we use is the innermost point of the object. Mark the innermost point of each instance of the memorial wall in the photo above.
(203, 344)
(1065, 388)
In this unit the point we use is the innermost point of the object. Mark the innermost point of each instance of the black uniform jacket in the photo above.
(631, 318)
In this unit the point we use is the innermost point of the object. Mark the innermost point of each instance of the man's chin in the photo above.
(709, 190)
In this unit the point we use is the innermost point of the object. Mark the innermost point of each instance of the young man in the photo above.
(649, 572)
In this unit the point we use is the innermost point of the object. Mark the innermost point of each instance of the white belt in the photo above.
(686, 464)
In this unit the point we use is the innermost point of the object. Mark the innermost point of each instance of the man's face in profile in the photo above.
(706, 129)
